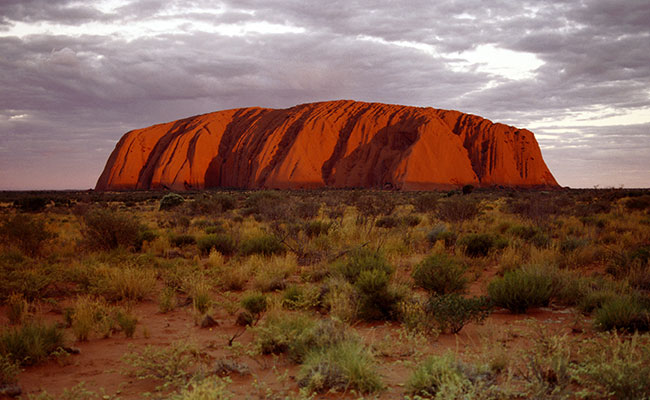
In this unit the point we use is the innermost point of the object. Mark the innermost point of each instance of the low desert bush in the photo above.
(126, 321)
(451, 312)
(30, 343)
(441, 232)
(347, 365)
(255, 303)
(613, 366)
(297, 297)
(411, 220)
(281, 333)
(426, 203)
(387, 221)
(439, 377)
(521, 289)
(170, 201)
(17, 308)
(206, 389)
(370, 275)
(127, 282)
(91, 316)
(266, 245)
(458, 209)
(639, 203)
(27, 233)
(221, 242)
(9, 370)
(440, 274)
(199, 290)
(171, 364)
(207, 205)
(273, 273)
(317, 228)
(182, 240)
(104, 229)
(624, 313)
(480, 244)
(167, 300)
(361, 260)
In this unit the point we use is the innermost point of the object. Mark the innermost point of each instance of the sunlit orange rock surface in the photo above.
(330, 144)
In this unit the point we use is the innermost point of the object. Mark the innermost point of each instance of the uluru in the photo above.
(334, 144)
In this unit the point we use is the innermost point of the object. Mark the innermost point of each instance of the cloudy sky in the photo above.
(76, 75)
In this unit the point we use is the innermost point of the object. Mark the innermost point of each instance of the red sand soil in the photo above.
(99, 363)
(329, 144)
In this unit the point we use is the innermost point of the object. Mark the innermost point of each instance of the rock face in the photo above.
(335, 144)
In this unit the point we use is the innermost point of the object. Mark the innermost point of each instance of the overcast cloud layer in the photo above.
(76, 75)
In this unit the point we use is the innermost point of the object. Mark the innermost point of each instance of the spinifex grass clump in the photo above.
(440, 274)
(31, 343)
(347, 365)
(521, 289)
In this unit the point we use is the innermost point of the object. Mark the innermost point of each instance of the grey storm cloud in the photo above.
(68, 95)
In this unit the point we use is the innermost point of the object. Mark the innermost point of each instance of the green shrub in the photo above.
(376, 299)
(613, 366)
(171, 200)
(27, 233)
(480, 244)
(521, 289)
(167, 299)
(221, 242)
(31, 343)
(370, 274)
(458, 209)
(183, 240)
(572, 243)
(411, 220)
(32, 204)
(439, 378)
(264, 244)
(362, 260)
(280, 333)
(9, 370)
(317, 228)
(91, 315)
(387, 221)
(207, 389)
(20, 275)
(307, 209)
(426, 202)
(171, 364)
(451, 312)
(206, 204)
(345, 366)
(440, 232)
(639, 203)
(525, 232)
(440, 274)
(127, 322)
(467, 189)
(254, 303)
(17, 308)
(624, 313)
(104, 229)
(297, 335)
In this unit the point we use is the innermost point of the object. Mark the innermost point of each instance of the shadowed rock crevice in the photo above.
(329, 144)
